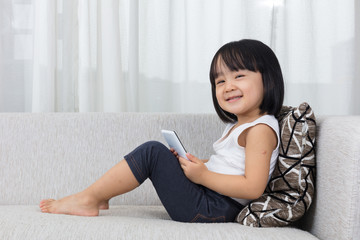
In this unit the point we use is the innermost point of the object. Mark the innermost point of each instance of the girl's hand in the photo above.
(174, 152)
(194, 169)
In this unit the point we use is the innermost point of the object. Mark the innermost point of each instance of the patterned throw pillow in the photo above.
(291, 188)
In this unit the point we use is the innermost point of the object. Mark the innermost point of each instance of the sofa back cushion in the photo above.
(52, 155)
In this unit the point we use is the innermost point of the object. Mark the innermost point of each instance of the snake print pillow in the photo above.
(291, 188)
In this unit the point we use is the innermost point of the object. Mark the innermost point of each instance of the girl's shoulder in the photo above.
(271, 122)
(233, 132)
(268, 120)
(257, 125)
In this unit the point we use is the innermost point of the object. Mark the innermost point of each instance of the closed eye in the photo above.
(219, 82)
(239, 76)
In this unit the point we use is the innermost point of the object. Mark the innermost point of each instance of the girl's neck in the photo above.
(248, 119)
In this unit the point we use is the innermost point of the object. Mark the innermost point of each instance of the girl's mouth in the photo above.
(233, 99)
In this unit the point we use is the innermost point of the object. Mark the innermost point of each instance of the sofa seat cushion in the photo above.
(126, 222)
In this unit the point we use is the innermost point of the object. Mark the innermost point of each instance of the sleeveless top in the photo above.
(229, 157)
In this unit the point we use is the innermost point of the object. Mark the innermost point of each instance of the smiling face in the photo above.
(239, 92)
(246, 59)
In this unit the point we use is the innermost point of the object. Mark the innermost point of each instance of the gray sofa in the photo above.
(56, 154)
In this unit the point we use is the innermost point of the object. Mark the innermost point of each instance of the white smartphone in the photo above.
(174, 142)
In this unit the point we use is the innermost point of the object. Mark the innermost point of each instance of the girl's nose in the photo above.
(229, 86)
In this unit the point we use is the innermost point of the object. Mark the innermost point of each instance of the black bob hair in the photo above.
(255, 56)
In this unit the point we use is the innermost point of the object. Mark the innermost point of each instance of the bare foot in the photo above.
(77, 204)
(104, 205)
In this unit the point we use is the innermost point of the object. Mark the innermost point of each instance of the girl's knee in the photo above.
(155, 150)
(155, 145)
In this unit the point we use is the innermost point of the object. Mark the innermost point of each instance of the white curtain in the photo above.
(154, 55)
(77, 57)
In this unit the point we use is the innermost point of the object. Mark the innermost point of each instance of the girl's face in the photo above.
(239, 92)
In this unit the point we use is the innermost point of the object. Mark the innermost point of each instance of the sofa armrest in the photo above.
(335, 213)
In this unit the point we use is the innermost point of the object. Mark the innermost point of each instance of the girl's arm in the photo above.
(260, 143)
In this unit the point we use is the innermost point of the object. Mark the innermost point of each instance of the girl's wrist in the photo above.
(203, 177)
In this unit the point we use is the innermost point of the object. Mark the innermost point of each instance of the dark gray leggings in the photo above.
(184, 200)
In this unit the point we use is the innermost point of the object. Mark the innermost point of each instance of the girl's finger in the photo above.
(182, 161)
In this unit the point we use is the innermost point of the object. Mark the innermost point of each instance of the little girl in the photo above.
(247, 90)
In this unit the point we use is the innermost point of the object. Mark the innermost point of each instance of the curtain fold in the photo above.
(100, 81)
(44, 61)
(131, 55)
(355, 101)
(109, 67)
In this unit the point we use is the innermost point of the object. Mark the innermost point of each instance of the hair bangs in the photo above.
(234, 57)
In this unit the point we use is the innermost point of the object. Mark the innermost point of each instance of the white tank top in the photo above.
(229, 157)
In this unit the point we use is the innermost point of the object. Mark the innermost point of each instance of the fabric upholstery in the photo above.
(335, 212)
(55, 154)
(129, 222)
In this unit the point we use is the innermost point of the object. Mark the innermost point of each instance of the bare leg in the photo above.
(104, 205)
(118, 180)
